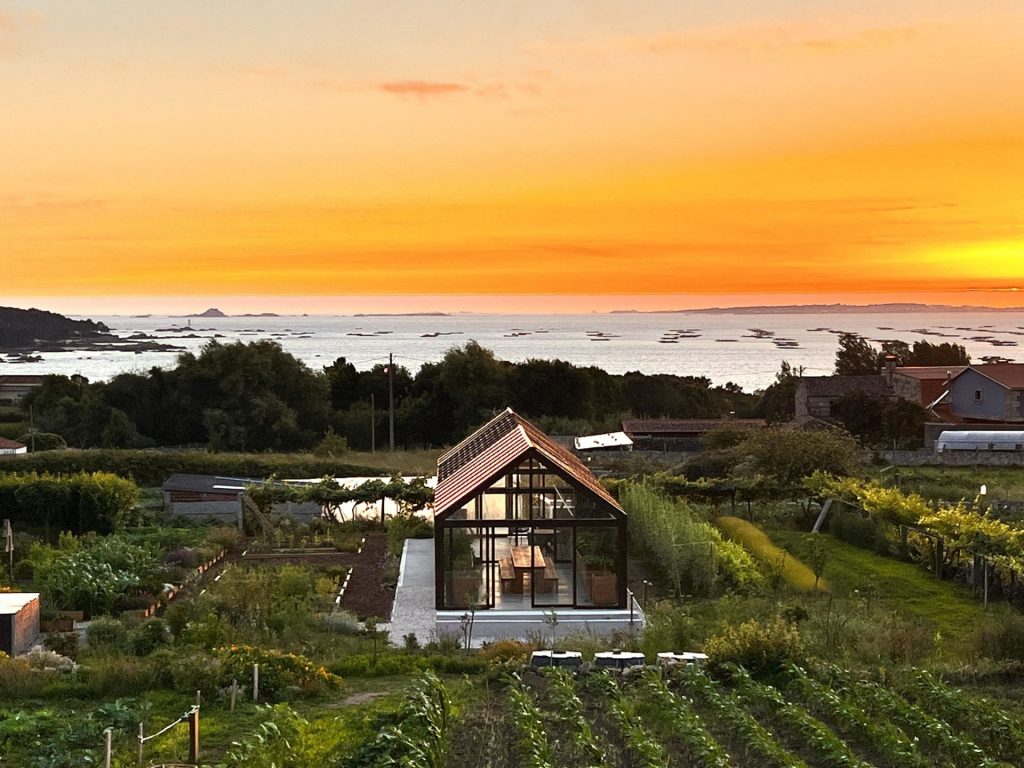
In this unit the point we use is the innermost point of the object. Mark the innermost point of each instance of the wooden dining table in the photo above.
(526, 558)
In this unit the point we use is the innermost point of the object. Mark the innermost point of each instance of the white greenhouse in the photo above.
(1012, 441)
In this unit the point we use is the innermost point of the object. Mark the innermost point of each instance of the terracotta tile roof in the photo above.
(5, 443)
(500, 443)
(1010, 375)
(665, 426)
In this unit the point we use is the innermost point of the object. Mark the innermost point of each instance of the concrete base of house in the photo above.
(414, 612)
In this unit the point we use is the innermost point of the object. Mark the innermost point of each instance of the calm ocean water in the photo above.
(745, 349)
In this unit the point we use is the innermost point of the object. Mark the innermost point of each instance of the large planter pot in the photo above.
(465, 589)
(603, 587)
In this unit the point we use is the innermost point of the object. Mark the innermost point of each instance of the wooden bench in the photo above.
(507, 574)
(550, 581)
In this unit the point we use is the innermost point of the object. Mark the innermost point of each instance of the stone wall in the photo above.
(954, 458)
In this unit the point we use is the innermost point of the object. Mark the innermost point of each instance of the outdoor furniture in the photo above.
(568, 659)
(526, 564)
(507, 574)
(619, 660)
(549, 582)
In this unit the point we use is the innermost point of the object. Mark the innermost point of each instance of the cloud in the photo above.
(816, 37)
(423, 88)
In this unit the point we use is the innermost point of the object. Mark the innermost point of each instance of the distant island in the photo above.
(214, 312)
(821, 309)
(402, 314)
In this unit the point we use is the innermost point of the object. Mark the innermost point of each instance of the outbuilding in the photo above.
(12, 447)
(978, 440)
(19, 621)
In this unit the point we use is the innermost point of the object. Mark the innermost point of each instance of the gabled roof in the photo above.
(5, 443)
(21, 378)
(503, 442)
(837, 386)
(1009, 375)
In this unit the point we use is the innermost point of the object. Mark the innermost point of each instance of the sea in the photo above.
(744, 349)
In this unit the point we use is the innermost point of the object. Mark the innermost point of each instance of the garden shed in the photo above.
(522, 523)
(19, 621)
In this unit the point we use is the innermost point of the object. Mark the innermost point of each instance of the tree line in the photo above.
(257, 397)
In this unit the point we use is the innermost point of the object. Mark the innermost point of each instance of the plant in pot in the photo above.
(597, 551)
(463, 574)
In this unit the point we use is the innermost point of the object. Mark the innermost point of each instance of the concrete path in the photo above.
(413, 611)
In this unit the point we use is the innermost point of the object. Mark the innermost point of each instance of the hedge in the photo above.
(79, 502)
(152, 468)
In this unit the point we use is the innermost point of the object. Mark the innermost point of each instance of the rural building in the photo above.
(994, 392)
(11, 447)
(922, 384)
(14, 388)
(19, 621)
(521, 523)
(679, 434)
(212, 497)
(816, 395)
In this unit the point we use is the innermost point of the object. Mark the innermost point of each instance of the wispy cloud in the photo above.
(810, 37)
(423, 88)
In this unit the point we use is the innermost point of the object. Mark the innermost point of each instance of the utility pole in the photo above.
(391, 401)
(373, 426)
(32, 427)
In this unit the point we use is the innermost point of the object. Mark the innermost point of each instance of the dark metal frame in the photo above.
(616, 520)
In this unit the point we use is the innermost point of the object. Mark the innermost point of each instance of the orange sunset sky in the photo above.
(654, 153)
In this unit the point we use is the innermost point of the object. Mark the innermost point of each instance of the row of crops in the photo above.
(803, 718)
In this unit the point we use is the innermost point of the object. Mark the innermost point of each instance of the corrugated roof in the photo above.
(500, 443)
(5, 443)
(21, 378)
(655, 426)
(207, 483)
(12, 602)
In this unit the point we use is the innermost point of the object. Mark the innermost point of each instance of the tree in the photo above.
(861, 415)
(855, 357)
(789, 455)
(778, 402)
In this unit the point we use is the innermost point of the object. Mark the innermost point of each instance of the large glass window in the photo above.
(597, 557)
(463, 568)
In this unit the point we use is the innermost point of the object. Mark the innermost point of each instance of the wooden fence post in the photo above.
(142, 741)
(256, 682)
(234, 693)
(107, 736)
(193, 736)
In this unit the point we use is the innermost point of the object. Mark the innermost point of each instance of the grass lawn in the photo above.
(899, 586)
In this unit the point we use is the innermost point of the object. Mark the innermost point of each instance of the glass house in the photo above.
(521, 523)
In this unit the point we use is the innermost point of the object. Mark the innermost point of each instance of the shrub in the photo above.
(758, 647)
(1001, 636)
(506, 650)
(226, 537)
(279, 671)
(64, 643)
(183, 558)
(860, 531)
(105, 631)
(341, 623)
(39, 658)
(404, 527)
(148, 636)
